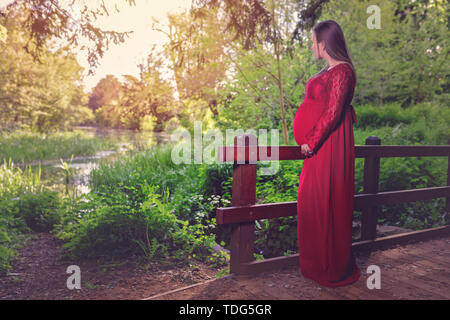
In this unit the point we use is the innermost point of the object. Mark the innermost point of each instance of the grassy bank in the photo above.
(24, 147)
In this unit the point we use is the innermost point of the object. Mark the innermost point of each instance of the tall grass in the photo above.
(24, 146)
(15, 181)
(154, 166)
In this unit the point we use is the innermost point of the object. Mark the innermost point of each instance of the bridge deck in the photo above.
(419, 270)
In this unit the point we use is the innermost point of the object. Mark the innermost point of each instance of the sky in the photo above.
(124, 58)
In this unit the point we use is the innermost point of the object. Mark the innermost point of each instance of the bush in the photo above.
(7, 254)
(40, 211)
(390, 115)
(275, 237)
(179, 221)
(14, 183)
(424, 123)
(131, 221)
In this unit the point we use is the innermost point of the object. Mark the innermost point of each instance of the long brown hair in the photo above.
(330, 32)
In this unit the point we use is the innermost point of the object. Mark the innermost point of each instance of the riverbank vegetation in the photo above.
(22, 146)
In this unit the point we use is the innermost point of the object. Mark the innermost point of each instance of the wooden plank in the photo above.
(255, 212)
(287, 284)
(363, 151)
(416, 272)
(403, 285)
(260, 289)
(244, 155)
(247, 213)
(400, 196)
(385, 242)
(270, 153)
(359, 291)
(429, 269)
(403, 238)
(431, 254)
(270, 264)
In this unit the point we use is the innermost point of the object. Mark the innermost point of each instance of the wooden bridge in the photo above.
(413, 265)
(417, 271)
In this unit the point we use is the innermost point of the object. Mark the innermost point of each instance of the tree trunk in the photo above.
(279, 79)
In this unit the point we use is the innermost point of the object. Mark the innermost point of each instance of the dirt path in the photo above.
(39, 273)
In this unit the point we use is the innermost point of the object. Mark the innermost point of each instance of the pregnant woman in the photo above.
(323, 127)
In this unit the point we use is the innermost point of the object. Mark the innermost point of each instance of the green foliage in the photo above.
(40, 211)
(25, 146)
(7, 254)
(24, 206)
(115, 224)
(413, 39)
(44, 94)
(6, 257)
(370, 116)
(424, 123)
(15, 181)
(153, 165)
(275, 236)
(142, 204)
(213, 177)
(421, 124)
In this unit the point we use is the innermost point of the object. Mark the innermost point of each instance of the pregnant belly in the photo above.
(306, 117)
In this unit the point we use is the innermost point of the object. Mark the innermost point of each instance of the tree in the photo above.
(42, 96)
(105, 92)
(251, 19)
(421, 37)
(195, 47)
(50, 19)
(403, 61)
(268, 23)
(3, 33)
(150, 95)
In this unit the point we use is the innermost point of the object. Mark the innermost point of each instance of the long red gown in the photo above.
(324, 121)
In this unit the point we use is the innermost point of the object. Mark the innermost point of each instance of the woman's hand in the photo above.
(306, 151)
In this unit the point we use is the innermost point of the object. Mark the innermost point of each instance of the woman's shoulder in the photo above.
(341, 70)
(343, 67)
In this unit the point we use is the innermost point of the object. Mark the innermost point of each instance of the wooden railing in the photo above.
(241, 215)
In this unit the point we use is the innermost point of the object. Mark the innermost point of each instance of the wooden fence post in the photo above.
(243, 193)
(371, 177)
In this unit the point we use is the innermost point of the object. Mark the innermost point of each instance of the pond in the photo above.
(54, 173)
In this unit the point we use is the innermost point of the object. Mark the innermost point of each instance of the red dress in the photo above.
(324, 121)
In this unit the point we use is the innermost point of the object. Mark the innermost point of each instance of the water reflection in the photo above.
(54, 174)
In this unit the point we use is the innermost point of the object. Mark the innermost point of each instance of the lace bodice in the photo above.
(325, 97)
